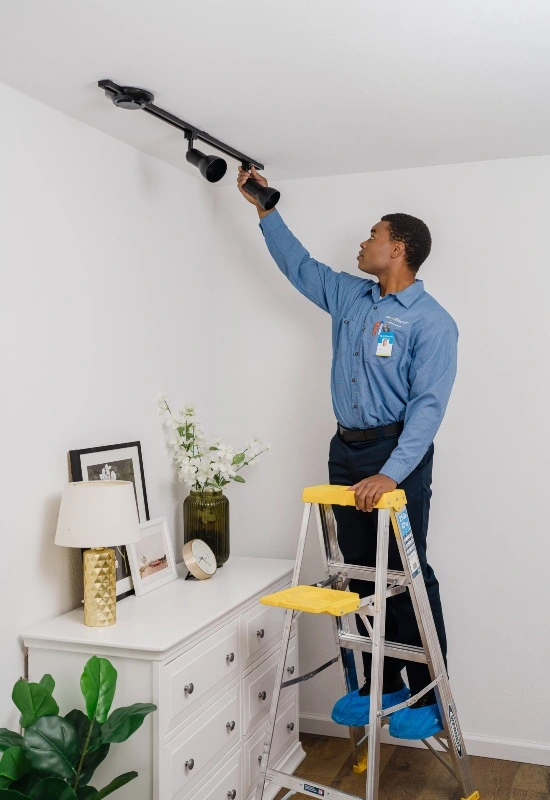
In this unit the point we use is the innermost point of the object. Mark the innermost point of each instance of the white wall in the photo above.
(106, 301)
(488, 538)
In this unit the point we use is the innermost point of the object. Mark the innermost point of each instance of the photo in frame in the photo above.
(116, 462)
(152, 561)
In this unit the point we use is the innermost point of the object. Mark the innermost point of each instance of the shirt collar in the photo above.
(405, 297)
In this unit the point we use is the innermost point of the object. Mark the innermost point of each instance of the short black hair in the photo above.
(414, 234)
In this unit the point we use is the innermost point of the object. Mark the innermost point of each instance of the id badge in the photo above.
(385, 343)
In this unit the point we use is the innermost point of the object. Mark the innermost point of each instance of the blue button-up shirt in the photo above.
(413, 384)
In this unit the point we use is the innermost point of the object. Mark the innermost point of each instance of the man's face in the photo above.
(375, 255)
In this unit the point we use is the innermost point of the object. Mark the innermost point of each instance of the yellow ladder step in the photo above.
(314, 600)
(333, 495)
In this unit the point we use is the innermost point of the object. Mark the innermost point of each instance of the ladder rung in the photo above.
(351, 641)
(300, 784)
(365, 573)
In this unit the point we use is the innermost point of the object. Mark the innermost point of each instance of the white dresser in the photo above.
(205, 652)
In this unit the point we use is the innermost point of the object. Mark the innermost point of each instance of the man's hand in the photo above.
(369, 491)
(243, 176)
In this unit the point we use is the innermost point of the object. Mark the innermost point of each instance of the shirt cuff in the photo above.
(395, 471)
(271, 221)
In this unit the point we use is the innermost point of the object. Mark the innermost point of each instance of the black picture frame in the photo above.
(114, 462)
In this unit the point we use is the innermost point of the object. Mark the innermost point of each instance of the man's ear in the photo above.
(398, 249)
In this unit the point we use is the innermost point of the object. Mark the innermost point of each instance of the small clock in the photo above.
(199, 559)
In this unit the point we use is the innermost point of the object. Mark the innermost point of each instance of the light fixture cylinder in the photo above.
(212, 168)
(266, 196)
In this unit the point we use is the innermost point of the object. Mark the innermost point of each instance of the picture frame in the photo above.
(152, 561)
(123, 462)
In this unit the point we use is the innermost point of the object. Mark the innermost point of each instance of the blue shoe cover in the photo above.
(416, 723)
(353, 709)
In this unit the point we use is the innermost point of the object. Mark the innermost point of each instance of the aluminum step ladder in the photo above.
(330, 597)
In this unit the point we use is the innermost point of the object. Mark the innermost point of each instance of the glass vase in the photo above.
(206, 517)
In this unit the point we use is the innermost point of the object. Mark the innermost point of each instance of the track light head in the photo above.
(266, 196)
(212, 168)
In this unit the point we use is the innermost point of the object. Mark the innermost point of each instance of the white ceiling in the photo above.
(308, 87)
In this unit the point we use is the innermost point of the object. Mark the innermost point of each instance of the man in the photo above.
(393, 368)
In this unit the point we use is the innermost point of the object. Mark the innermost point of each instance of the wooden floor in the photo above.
(408, 773)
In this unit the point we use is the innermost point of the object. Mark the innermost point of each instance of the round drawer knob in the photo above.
(290, 670)
(260, 633)
(190, 763)
(189, 689)
(232, 794)
(262, 695)
(230, 657)
(290, 726)
(230, 726)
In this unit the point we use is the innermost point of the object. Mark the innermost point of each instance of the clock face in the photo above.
(204, 556)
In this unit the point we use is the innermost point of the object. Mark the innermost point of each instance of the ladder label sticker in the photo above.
(454, 732)
(314, 789)
(405, 529)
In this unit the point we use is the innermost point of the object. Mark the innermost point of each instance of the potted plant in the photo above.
(55, 757)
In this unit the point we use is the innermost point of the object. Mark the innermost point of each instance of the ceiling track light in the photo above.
(212, 168)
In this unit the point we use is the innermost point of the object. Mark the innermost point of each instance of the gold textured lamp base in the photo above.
(99, 587)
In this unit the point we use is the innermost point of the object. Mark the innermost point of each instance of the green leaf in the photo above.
(238, 458)
(25, 784)
(98, 684)
(91, 763)
(82, 724)
(52, 789)
(86, 793)
(13, 764)
(33, 701)
(51, 745)
(125, 721)
(48, 683)
(9, 739)
(212, 448)
(8, 794)
(239, 479)
(115, 784)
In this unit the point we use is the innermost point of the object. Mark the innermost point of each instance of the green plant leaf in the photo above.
(91, 763)
(48, 683)
(13, 764)
(239, 479)
(115, 784)
(9, 739)
(52, 789)
(125, 721)
(81, 724)
(238, 458)
(98, 684)
(51, 745)
(9, 794)
(25, 784)
(33, 701)
(86, 793)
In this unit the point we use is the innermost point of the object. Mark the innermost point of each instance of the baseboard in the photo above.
(485, 746)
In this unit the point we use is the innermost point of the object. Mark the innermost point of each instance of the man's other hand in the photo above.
(369, 491)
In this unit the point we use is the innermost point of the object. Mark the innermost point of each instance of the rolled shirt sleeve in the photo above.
(432, 375)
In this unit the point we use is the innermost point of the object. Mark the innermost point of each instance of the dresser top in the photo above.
(161, 619)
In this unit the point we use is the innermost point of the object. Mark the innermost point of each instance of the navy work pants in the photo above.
(350, 462)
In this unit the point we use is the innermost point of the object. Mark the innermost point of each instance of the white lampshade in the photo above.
(97, 514)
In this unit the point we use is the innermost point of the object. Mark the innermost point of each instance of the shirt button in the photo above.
(353, 380)
(362, 329)
(375, 307)
(355, 405)
(346, 321)
(356, 354)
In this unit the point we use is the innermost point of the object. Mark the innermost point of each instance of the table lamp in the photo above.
(93, 514)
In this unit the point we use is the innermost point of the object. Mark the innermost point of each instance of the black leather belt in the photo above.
(367, 434)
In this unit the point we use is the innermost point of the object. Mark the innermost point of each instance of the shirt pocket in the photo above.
(398, 354)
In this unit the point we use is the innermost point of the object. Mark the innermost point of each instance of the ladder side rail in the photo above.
(435, 661)
(326, 526)
(379, 629)
(289, 619)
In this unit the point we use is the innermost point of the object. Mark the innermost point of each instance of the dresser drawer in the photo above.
(261, 626)
(284, 735)
(225, 784)
(259, 685)
(184, 757)
(191, 677)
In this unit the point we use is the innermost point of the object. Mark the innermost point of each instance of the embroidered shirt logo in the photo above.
(399, 321)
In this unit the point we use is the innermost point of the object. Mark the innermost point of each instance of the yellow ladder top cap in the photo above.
(314, 600)
(333, 495)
